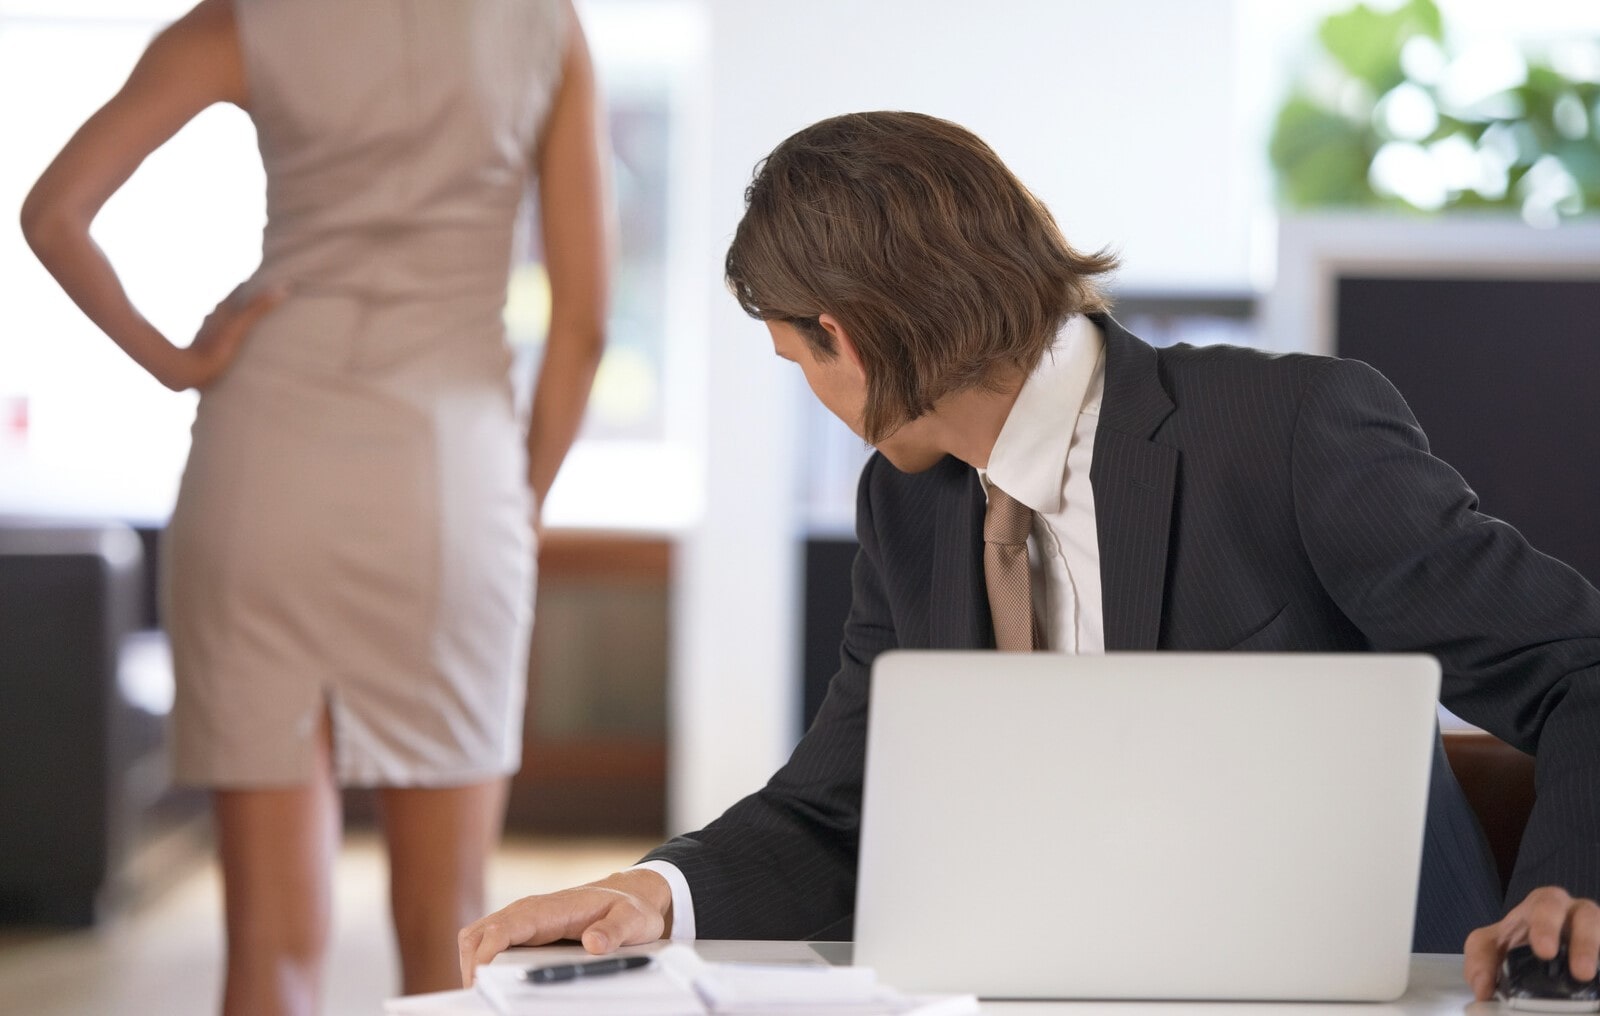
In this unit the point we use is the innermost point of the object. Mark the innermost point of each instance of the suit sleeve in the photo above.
(1396, 538)
(781, 863)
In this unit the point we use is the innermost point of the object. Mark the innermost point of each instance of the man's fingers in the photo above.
(481, 942)
(1583, 940)
(622, 924)
(1481, 961)
(1545, 913)
(466, 951)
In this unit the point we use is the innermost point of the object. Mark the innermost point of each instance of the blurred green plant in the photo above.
(1388, 114)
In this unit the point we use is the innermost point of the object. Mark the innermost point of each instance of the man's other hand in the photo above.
(627, 908)
(1548, 915)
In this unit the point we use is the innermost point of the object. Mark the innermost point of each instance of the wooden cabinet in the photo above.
(594, 742)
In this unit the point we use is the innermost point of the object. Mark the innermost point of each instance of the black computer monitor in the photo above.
(1491, 331)
(1504, 376)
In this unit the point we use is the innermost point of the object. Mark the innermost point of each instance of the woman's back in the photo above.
(397, 137)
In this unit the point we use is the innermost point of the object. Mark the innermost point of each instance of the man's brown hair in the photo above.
(941, 266)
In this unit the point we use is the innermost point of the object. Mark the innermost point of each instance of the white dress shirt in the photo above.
(1041, 458)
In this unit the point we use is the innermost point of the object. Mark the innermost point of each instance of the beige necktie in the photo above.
(1005, 571)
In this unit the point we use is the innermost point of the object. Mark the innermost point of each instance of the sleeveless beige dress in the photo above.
(352, 530)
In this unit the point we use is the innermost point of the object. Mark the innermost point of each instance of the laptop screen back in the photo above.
(1161, 825)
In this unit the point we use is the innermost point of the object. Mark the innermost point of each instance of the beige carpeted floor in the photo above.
(163, 955)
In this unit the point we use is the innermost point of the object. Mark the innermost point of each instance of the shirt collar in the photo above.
(1029, 459)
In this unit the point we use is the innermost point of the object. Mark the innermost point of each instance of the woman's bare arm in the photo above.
(572, 209)
(192, 64)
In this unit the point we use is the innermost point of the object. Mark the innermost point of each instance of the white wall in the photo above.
(1120, 116)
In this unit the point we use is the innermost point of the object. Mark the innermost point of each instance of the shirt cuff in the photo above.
(682, 900)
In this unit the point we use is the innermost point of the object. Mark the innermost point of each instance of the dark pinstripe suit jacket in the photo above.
(1244, 501)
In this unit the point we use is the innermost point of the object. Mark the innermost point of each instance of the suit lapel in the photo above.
(958, 609)
(1133, 480)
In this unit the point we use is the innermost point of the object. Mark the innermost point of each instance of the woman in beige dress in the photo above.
(349, 568)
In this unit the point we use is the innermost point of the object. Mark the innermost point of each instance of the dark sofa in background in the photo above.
(82, 774)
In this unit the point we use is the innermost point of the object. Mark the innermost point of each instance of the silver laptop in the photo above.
(1145, 825)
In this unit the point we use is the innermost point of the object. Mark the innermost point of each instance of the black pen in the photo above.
(594, 968)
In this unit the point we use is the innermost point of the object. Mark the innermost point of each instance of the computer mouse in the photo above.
(1535, 985)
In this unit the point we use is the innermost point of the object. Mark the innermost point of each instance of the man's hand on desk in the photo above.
(627, 908)
(1548, 915)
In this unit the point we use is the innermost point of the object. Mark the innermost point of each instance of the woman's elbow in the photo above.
(43, 223)
(32, 219)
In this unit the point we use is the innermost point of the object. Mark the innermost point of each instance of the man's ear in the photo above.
(841, 338)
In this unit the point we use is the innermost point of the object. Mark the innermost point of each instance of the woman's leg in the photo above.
(277, 848)
(440, 840)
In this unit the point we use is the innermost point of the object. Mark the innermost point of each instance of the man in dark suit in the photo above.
(1188, 499)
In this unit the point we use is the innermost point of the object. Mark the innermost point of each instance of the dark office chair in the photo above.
(1498, 782)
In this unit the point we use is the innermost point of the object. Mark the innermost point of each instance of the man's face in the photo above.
(840, 385)
(837, 383)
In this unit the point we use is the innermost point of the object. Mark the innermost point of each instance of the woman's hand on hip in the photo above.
(219, 339)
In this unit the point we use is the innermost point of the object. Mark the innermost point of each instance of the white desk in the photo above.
(1436, 989)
